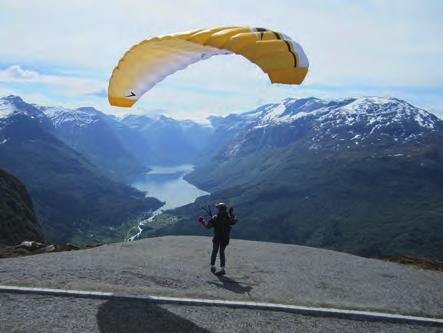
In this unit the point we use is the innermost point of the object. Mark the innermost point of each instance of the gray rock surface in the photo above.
(257, 271)
(20, 313)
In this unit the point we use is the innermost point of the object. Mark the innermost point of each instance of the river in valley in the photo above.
(165, 183)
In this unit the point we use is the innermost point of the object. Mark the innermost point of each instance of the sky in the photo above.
(56, 52)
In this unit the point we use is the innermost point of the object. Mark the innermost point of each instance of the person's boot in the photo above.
(213, 269)
(221, 272)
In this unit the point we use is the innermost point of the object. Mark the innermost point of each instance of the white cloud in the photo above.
(68, 85)
(351, 46)
(16, 73)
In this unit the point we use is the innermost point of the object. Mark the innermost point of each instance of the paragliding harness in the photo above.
(221, 229)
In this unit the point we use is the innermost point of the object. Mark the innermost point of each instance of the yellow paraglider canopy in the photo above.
(150, 61)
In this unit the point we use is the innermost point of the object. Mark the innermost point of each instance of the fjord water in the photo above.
(166, 183)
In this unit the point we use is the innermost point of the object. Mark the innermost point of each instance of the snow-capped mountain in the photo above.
(371, 110)
(97, 136)
(338, 123)
(291, 109)
(149, 140)
(61, 116)
(131, 142)
(120, 147)
(18, 117)
(14, 105)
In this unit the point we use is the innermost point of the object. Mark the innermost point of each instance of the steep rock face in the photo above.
(362, 175)
(17, 219)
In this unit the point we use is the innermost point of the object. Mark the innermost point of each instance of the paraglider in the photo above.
(222, 223)
(153, 59)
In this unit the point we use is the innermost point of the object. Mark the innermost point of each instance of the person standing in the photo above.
(221, 223)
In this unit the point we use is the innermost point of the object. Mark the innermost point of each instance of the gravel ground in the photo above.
(20, 313)
(178, 266)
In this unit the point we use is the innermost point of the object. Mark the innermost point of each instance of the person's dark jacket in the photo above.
(222, 227)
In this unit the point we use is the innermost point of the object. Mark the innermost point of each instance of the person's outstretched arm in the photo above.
(207, 225)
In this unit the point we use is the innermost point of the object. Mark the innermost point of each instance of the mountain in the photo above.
(360, 175)
(171, 141)
(123, 148)
(17, 219)
(74, 201)
(94, 134)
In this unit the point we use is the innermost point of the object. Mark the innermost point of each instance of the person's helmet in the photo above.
(221, 206)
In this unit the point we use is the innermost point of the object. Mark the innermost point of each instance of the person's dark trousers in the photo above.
(215, 247)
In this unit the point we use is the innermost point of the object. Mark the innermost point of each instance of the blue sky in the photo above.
(62, 52)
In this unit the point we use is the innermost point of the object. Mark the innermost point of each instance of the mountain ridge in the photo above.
(361, 175)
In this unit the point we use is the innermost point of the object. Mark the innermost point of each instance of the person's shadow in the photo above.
(231, 285)
(139, 316)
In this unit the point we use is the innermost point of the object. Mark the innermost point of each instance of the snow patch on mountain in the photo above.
(8, 106)
(274, 113)
(377, 109)
(12, 105)
(6, 109)
(80, 117)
